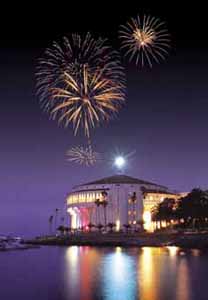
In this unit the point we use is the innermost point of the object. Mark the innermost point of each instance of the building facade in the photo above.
(118, 199)
(152, 198)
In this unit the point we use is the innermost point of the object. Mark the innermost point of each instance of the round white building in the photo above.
(117, 199)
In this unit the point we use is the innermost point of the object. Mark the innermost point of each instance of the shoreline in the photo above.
(196, 240)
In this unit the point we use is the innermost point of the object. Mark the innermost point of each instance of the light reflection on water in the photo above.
(88, 273)
(128, 274)
(80, 271)
(183, 281)
(146, 280)
(118, 273)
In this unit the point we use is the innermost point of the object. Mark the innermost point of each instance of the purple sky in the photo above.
(164, 119)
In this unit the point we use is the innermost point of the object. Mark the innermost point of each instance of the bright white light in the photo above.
(117, 225)
(172, 250)
(147, 220)
(119, 162)
(73, 217)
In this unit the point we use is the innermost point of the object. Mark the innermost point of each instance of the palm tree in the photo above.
(50, 220)
(61, 229)
(67, 229)
(127, 227)
(100, 227)
(104, 203)
(97, 203)
(90, 225)
(111, 226)
(56, 215)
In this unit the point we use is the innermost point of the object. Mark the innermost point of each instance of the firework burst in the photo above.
(86, 101)
(83, 156)
(146, 39)
(71, 56)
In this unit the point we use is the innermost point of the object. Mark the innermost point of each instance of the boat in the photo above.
(14, 243)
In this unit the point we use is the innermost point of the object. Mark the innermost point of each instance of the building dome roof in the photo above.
(121, 179)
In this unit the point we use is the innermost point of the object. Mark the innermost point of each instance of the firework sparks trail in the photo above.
(83, 156)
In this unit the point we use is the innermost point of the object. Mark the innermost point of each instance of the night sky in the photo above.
(164, 119)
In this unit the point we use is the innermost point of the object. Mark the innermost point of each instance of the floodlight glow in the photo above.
(73, 217)
(147, 220)
(119, 162)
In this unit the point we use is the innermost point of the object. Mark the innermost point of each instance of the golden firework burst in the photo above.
(146, 39)
(70, 55)
(86, 100)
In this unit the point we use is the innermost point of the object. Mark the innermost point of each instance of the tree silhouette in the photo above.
(50, 220)
(97, 203)
(111, 226)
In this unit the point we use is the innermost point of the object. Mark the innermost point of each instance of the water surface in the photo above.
(88, 273)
